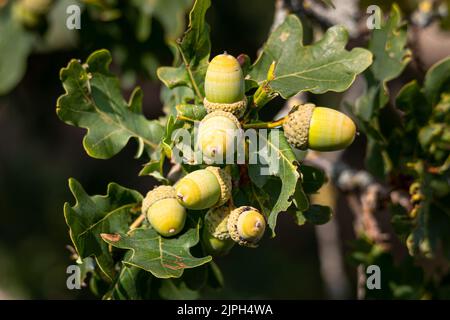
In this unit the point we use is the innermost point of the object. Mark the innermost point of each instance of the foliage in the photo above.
(408, 144)
(124, 27)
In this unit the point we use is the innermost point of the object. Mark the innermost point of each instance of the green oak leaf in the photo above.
(390, 57)
(191, 112)
(162, 257)
(388, 45)
(170, 13)
(318, 68)
(312, 178)
(194, 49)
(278, 159)
(437, 81)
(177, 289)
(173, 97)
(92, 215)
(390, 54)
(93, 100)
(131, 284)
(317, 214)
(15, 46)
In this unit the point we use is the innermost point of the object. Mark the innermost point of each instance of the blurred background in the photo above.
(38, 152)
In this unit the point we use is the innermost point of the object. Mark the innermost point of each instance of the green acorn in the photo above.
(224, 86)
(216, 136)
(246, 226)
(165, 214)
(216, 238)
(318, 128)
(203, 189)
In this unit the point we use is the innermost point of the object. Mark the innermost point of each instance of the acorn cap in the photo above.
(224, 180)
(233, 227)
(237, 108)
(158, 193)
(216, 220)
(296, 127)
(220, 113)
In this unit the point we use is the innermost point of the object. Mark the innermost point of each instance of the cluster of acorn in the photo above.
(210, 188)
(306, 126)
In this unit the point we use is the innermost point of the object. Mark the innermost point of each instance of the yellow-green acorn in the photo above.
(318, 128)
(217, 134)
(203, 189)
(165, 214)
(214, 246)
(246, 226)
(215, 232)
(224, 86)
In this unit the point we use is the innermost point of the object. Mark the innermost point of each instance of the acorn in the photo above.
(214, 246)
(224, 86)
(217, 134)
(216, 238)
(216, 222)
(165, 214)
(246, 226)
(203, 189)
(318, 128)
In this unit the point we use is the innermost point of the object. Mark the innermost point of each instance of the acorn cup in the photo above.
(318, 128)
(246, 226)
(224, 86)
(165, 214)
(217, 134)
(204, 189)
(216, 238)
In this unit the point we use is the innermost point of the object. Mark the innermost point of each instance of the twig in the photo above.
(189, 71)
(265, 125)
(350, 180)
(364, 197)
(281, 12)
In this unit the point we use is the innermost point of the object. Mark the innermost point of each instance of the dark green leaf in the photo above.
(93, 100)
(317, 214)
(412, 101)
(194, 49)
(437, 80)
(276, 158)
(192, 112)
(176, 289)
(300, 199)
(388, 47)
(318, 68)
(131, 284)
(92, 215)
(312, 178)
(173, 97)
(163, 257)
